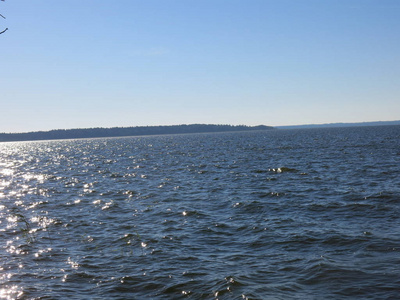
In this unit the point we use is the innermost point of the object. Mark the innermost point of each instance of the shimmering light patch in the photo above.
(107, 205)
(33, 230)
(40, 252)
(74, 202)
(87, 187)
(4, 183)
(130, 193)
(7, 172)
(16, 194)
(12, 220)
(42, 221)
(30, 176)
(14, 250)
(73, 264)
(33, 205)
(5, 276)
(10, 292)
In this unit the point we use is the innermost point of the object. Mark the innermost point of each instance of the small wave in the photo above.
(269, 194)
(275, 170)
(322, 271)
(283, 170)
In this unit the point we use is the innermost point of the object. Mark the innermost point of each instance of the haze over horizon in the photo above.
(84, 64)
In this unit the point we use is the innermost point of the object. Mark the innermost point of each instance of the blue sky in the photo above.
(97, 63)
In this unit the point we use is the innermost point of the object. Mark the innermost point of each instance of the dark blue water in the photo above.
(284, 214)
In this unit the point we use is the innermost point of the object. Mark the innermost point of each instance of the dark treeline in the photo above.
(123, 131)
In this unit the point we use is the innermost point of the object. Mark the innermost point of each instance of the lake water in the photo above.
(282, 214)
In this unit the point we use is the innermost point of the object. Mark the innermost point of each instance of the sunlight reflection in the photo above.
(13, 220)
(4, 184)
(39, 177)
(73, 264)
(33, 205)
(10, 292)
(7, 172)
(107, 205)
(41, 251)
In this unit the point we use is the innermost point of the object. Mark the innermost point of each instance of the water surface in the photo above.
(283, 214)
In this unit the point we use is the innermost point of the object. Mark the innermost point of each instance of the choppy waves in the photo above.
(302, 214)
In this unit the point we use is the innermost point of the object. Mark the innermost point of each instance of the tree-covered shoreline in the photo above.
(58, 134)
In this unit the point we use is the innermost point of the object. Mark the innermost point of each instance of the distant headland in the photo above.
(61, 134)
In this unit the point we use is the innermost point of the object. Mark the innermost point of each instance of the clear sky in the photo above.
(97, 63)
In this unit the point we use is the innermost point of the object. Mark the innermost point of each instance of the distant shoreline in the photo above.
(62, 134)
(101, 132)
(328, 125)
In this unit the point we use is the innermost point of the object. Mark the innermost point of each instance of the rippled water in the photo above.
(284, 214)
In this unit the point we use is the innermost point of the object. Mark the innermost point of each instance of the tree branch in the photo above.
(3, 18)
